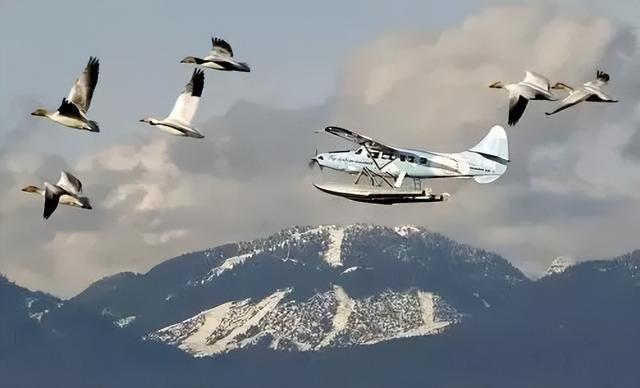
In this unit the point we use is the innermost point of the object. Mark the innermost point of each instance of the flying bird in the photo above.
(179, 121)
(590, 91)
(533, 87)
(73, 110)
(68, 191)
(221, 58)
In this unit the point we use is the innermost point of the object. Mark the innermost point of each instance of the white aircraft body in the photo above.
(387, 167)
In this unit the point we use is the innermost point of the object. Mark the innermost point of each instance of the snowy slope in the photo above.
(328, 319)
(559, 265)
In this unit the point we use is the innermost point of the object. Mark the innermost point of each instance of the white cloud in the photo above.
(159, 196)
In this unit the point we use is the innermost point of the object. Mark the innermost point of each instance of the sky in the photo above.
(411, 73)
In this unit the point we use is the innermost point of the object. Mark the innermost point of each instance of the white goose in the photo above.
(179, 121)
(73, 110)
(590, 91)
(533, 87)
(221, 58)
(68, 191)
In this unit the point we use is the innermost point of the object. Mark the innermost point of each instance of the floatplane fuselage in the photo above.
(387, 167)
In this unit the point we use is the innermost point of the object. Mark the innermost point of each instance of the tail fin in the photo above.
(494, 147)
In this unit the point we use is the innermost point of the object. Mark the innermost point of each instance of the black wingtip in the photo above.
(196, 85)
(223, 44)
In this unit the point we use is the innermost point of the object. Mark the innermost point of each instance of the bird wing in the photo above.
(82, 91)
(537, 80)
(572, 99)
(69, 109)
(517, 105)
(187, 103)
(602, 78)
(220, 48)
(595, 87)
(70, 183)
(52, 195)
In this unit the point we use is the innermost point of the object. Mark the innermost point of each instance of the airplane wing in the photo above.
(359, 139)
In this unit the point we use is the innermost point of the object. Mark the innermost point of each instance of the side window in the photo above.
(423, 161)
(387, 156)
(403, 158)
(410, 159)
(375, 154)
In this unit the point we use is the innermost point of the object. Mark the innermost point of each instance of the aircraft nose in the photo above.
(316, 160)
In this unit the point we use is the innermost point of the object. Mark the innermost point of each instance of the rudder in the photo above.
(495, 147)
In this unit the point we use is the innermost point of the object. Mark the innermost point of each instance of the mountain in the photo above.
(342, 306)
(559, 265)
(45, 341)
(307, 288)
(21, 311)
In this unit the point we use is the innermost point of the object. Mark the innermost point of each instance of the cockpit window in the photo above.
(410, 159)
(375, 154)
(359, 151)
(320, 157)
(403, 158)
(423, 161)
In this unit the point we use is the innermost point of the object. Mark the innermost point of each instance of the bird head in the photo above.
(188, 60)
(561, 86)
(39, 112)
(31, 189)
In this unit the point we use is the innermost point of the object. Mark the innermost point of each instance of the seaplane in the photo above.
(384, 169)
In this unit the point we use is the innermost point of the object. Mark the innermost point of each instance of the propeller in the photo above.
(314, 161)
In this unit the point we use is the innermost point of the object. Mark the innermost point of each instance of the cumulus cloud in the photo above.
(569, 190)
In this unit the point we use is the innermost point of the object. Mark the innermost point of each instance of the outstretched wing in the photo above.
(572, 99)
(602, 77)
(69, 109)
(595, 87)
(517, 105)
(220, 48)
(187, 103)
(359, 139)
(537, 80)
(52, 195)
(82, 91)
(70, 183)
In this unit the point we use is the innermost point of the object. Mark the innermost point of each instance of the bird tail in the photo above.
(93, 126)
(244, 67)
(85, 203)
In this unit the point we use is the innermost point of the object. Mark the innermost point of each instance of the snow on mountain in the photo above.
(559, 265)
(327, 319)
(406, 230)
(333, 254)
(126, 321)
(288, 239)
